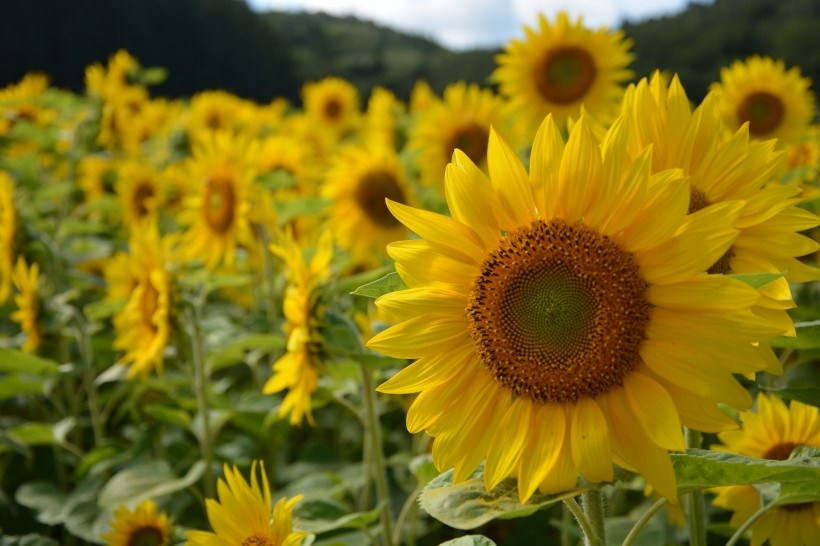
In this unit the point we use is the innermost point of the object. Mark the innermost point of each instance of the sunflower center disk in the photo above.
(559, 312)
(762, 110)
(472, 140)
(371, 192)
(146, 536)
(566, 74)
(141, 196)
(220, 201)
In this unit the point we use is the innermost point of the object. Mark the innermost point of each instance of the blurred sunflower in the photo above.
(357, 184)
(380, 124)
(242, 514)
(421, 96)
(8, 233)
(18, 102)
(144, 526)
(27, 281)
(95, 176)
(561, 326)
(109, 81)
(142, 326)
(216, 111)
(802, 165)
(775, 102)
(462, 119)
(727, 167)
(215, 213)
(298, 369)
(562, 66)
(292, 156)
(139, 191)
(772, 432)
(333, 103)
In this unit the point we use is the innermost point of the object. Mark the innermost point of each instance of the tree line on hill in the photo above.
(223, 44)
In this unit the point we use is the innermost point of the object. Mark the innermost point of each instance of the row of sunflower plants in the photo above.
(564, 309)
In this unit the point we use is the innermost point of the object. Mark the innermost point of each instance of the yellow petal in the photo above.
(542, 448)
(655, 410)
(421, 336)
(470, 199)
(429, 371)
(580, 172)
(591, 450)
(515, 198)
(508, 443)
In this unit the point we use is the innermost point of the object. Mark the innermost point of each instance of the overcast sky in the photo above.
(461, 24)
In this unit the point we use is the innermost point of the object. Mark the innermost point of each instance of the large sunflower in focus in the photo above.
(8, 232)
(461, 119)
(772, 432)
(144, 526)
(561, 320)
(298, 369)
(775, 102)
(215, 212)
(560, 67)
(142, 326)
(726, 167)
(357, 183)
(242, 515)
(27, 281)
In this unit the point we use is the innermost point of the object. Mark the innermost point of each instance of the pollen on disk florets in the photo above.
(558, 312)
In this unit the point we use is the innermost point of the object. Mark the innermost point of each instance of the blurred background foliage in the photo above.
(223, 44)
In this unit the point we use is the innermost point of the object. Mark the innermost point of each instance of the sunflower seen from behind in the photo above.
(8, 234)
(561, 66)
(243, 515)
(560, 320)
(142, 526)
(297, 371)
(776, 102)
(722, 167)
(772, 432)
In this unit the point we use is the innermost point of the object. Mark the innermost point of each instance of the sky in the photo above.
(465, 24)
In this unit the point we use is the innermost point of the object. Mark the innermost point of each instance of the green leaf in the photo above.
(168, 415)
(14, 361)
(280, 179)
(27, 540)
(808, 337)
(801, 383)
(389, 283)
(32, 434)
(146, 480)
(323, 514)
(153, 75)
(45, 498)
(103, 309)
(468, 505)
(700, 468)
(12, 386)
(236, 352)
(756, 280)
(293, 208)
(469, 540)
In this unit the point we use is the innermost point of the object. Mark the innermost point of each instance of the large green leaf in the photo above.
(150, 479)
(14, 361)
(12, 386)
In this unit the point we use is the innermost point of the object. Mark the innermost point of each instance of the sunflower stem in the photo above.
(696, 514)
(593, 503)
(749, 522)
(643, 520)
(377, 454)
(87, 357)
(201, 388)
(590, 538)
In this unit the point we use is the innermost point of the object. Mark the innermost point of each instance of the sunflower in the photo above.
(108, 81)
(243, 514)
(726, 167)
(144, 526)
(333, 103)
(27, 281)
(561, 320)
(421, 96)
(562, 66)
(357, 183)
(95, 176)
(18, 102)
(216, 211)
(298, 369)
(380, 124)
(217, 111)
(462, 119)
(142, 326)
(775, 102)
(139, 190)
(772, 432)
(8, 232)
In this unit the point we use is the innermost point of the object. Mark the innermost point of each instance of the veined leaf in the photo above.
(389, 283)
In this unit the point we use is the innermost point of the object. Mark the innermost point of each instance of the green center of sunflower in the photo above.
(472, 140)
(370, 194)
(723, 266)
(148, 535)
(565, 74)
(257, 540)
(764, 112)
(558, 312)
(220, 201)
(145, 191)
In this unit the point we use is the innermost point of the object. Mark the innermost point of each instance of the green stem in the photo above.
(566, 519)
(748, 523)
(590, 538)
(203, 408)
(376, 451)
(593, 503)
(696, 514)
(643, 520)
(87, 356)
(409, 505)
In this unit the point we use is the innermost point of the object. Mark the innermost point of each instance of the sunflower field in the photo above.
(570, 308)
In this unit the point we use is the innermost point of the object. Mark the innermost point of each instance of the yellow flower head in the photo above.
(775, 102)
(139, 190)
(562, 66)
(217, 111)
(722, 167)
(333, 103)
(560, 319)
(242, 514)
(144, 526)
(27, 281)
(381, 117)
(8, 232)
(298, 369)
(772, 432)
